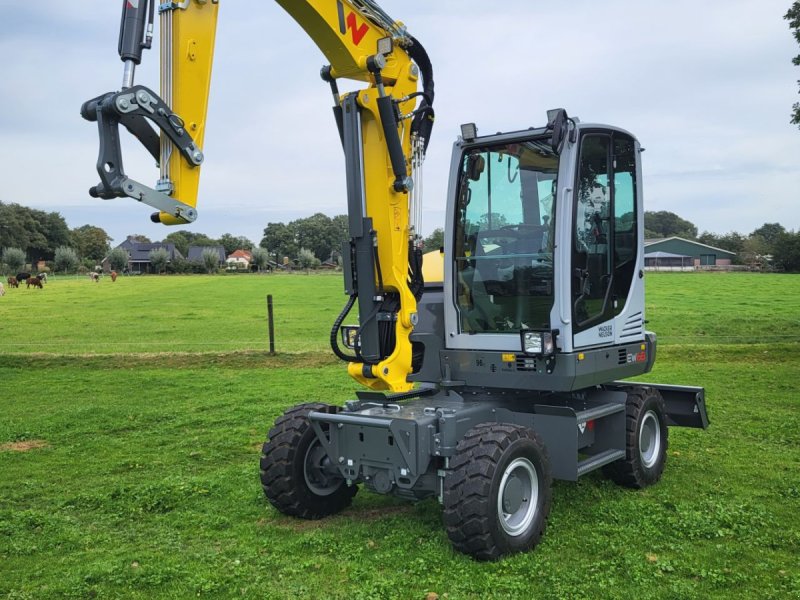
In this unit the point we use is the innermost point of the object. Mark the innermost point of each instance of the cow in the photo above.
(22, 276)
(35, 282)
(12, 282)
(2, 289)
(43, 277)
(113, 275)
(94, 277)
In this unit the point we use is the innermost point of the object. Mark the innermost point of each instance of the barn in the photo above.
(679, 253)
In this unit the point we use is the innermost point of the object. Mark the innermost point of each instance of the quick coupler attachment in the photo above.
(135, 108)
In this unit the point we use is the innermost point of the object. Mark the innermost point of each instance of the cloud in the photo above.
(707, 88)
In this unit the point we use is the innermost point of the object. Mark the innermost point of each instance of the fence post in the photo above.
(270, 324)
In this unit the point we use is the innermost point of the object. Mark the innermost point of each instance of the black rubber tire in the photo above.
(632, 471)
(472, 486)
(283, 467)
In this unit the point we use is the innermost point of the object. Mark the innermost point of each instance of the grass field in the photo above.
(133, 414)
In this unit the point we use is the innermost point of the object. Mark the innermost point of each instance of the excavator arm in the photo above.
(384, 128)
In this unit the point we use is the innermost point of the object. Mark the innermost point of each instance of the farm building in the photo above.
(196, 253)
(239, 259)
(679, 253)
(139, 255)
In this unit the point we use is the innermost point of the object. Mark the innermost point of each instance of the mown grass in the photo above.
(143, 481)
(169, 314)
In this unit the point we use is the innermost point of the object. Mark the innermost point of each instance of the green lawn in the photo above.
(133, 413)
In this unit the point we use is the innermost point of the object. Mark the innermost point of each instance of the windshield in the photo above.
(504, 230)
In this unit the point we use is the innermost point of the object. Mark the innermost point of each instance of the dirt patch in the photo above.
(25, 446)
(373, 514)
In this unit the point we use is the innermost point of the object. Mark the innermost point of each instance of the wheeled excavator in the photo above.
(504, 370)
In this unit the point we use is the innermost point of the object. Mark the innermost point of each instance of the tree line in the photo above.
(28, 235)
(770, 243)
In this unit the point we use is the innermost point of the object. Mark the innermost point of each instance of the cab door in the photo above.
(605, 240)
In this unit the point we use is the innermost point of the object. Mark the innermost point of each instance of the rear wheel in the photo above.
(497, 493)
(646, 438)
(295, 471)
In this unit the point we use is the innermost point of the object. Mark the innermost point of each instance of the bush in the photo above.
(307, 260)
(178, 266)
(66, 259)
(260, 257)
(118, 259)
(210, 260)
(14, 258)
(158, 258)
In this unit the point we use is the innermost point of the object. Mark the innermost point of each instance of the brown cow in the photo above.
(113, 275)
(12, 282)
(35, 282)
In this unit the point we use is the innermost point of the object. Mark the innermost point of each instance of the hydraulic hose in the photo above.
(422, 124)
(335, 332)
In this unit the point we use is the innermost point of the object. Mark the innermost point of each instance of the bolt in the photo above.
(143, 97)
(341, 459)
(198, 156)
(123, 103)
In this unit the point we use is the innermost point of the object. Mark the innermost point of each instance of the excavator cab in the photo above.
(546, 245)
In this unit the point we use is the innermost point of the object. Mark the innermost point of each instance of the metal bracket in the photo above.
(135, 108)
(165, 6)
(158, 200)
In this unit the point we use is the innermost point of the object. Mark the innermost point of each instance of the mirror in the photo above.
(558, 121)
(475, 165)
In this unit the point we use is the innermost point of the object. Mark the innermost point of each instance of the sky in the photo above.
(707, 87)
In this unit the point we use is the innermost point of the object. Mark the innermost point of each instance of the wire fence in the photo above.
(207, 314)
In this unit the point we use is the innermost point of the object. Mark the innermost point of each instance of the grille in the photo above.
(623, 356)
(526, 363)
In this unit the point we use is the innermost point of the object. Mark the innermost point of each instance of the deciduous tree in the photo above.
(260, 257)
(307, 259)
(158, 258)
(769, 232)
(66, 259)
(435, 240)
(118, 259)
(786, 253)
(279, 240)
(90, 242)
(231, 243)
(14, 259)
(210, 259)
(793, 16)
(667, 224)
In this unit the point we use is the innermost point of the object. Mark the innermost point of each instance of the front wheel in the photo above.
(646, 438)
(497, 494)
(295, 471)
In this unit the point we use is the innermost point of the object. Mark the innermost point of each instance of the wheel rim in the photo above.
(650, 439)
(518, 496)
(318, 480)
